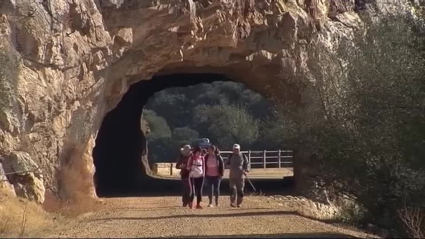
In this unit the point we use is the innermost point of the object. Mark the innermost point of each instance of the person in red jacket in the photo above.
(214, 170)
(182, 164)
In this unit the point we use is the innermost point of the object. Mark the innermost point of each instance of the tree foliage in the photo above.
(183, 135)
(224, 112)
(228, 124)
(371, 144)
(158, 126)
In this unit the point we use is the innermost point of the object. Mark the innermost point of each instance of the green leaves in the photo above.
(158, 126)
(224, 112)
(372, 143)
(228, 124)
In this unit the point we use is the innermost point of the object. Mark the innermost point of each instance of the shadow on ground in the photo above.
(286, 235)
(177, 207)
(154, 187)
(230, 214)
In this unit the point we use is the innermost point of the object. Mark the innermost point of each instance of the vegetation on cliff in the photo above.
(371, 145)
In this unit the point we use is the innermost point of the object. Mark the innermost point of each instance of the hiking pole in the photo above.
(250, 183)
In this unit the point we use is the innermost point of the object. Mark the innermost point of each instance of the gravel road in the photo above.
(164, 217)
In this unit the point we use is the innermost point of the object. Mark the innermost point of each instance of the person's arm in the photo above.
(189, 163)
(245, 164)
(179, 162)
(220, 165)
(227, 163)
(203, 165)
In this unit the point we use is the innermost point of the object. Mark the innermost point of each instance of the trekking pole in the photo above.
(250, 183)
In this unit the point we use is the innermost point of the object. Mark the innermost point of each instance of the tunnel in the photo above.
(121, 144)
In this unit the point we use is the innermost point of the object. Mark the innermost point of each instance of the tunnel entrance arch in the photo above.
(120, 154)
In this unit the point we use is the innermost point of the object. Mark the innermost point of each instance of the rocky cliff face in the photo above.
(66, 63)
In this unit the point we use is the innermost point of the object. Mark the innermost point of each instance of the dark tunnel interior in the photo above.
(120, 142)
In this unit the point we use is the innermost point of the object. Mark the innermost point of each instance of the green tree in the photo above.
(277, 132)
(159, 138)
(227, 124)
(369, 143)
(158, 126)
(173, 105)
(182, 136)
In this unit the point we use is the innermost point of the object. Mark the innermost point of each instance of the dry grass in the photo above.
(20, 217)
(69, 209)
(414, 221)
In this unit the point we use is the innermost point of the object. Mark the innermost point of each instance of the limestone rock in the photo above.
(66, 63)
(7, 6)
(111, 3)
(5, 186)
(25, 175)
(29, 186)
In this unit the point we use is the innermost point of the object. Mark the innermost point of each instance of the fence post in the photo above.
(264, 158)
(249, 158)
(279, 159)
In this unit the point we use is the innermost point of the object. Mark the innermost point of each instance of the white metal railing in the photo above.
(265, 158)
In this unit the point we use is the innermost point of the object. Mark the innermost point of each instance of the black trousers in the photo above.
(196, 189)
(186, 190)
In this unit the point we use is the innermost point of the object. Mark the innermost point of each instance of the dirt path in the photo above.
(164, 217)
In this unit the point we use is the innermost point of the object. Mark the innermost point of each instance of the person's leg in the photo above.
(183, 188)
(199, 183)
(217, 189)
(232, 186)
(192, 191)
(240, 184)
(186, 191)
(209, 187)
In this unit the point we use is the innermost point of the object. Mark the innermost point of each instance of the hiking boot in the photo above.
(210, 205)
(199, 207)
(239, 205)
(190, 205)
(232, 205)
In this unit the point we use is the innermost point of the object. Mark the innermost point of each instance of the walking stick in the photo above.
(250, 183)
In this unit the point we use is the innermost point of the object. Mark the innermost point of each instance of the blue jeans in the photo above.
(213, 186)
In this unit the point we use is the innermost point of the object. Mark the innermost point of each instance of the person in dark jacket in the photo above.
(182, 163)
(214, 170)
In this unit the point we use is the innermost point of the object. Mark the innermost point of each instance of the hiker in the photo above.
(182, 164)
(239, 167)
(196, 166)
(214, 169)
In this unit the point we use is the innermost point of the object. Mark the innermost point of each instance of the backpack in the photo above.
(230, 156)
